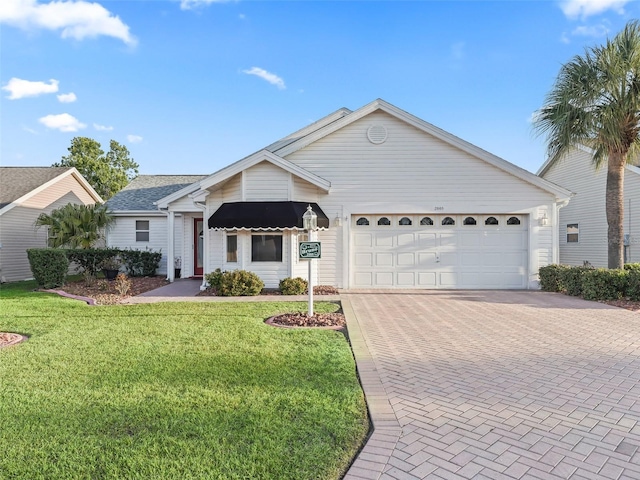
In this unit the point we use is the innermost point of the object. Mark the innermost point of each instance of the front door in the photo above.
(198, 246)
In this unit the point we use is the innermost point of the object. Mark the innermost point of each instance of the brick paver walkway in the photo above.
(496, 385)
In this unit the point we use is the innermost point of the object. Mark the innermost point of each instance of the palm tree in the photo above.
(75, 226)
(595, 102)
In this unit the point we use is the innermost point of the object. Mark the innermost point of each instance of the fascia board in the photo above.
(137, 213)
(72, 171)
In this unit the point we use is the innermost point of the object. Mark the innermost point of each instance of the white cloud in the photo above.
(75, 19)
(67, 97)
(191, 4)
(591, 31)
(272, 78)
(29, 130)
(19, 88)
(102, 128)
(63, 122)
(134, 138)
(587, 8)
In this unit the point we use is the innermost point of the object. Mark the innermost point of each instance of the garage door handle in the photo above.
(437, 258)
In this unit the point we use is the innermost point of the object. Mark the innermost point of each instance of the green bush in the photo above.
(571, 280)
(550, 277)
(214, 279)
(141, 263)
(90, 260)
(632, 267)
(293, 286)
(603, 284)
(49, 266)
(240, 283)
(632, 288)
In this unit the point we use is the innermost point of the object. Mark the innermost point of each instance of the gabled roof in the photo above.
(426, 127)
(226, 173)
(552, 161)
(143, 191)
(18, 184)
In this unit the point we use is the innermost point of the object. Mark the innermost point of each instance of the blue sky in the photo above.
(190, 86)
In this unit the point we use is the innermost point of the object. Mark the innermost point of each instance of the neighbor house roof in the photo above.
(16, 182)
(141, 193)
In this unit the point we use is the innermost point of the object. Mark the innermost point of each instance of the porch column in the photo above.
(170, 245)
(205, 246)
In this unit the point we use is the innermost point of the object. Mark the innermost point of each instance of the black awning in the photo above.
(264, 215)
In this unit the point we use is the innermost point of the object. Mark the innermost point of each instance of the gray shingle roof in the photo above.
(143, 190)
(18, 181)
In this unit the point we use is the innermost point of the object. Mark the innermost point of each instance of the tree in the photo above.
(107, 174)
(75, 226)
(595, 102)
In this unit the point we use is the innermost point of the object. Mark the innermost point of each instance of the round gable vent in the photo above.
(377, 134)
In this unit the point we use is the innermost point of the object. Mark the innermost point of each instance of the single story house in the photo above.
(401, 204)
(583, 223)
(25, 193)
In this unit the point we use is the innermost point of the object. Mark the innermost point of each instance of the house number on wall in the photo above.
(438, 209)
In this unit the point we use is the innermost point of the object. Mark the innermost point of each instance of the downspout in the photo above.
(555, 222)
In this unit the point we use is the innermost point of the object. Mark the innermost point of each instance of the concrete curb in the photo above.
(375, 455)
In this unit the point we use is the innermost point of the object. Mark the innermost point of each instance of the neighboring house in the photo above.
(139, 224)
(583, 223)
(25, 193)
(401, 203)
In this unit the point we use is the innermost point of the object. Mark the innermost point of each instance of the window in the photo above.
(142, 230)
(232, 248)
(426, 221)
(362, 221)
(491, 221)
(513, 221)
(384, 221)
(448, 221)
(469, 221)
(266, 248)
(405, 221)
(573, 231)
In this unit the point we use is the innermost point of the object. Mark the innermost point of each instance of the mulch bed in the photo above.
(104, 292)
(317, 290)
(323, 320)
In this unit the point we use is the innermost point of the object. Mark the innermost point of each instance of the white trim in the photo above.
(72, 171)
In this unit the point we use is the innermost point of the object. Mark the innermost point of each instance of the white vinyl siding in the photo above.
(266, 182)
(18, 233)
(587, 208)
(123, 235)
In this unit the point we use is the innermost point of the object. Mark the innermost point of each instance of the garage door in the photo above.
(439, 251)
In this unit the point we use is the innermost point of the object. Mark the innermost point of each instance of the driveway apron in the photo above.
(496, 384)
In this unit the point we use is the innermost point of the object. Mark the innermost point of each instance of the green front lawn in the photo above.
(174, 390)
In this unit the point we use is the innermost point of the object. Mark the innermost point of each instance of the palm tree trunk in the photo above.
(615, 209)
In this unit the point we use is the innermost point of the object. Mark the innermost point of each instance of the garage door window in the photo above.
(469, 221)
(448, 221)
(362, 221)
(384, 221)
(513, 221)
(491, 221)
(405, 221)
(426, 221)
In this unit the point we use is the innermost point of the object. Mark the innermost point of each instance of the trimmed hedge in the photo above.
(240, 283)
(141, 263)
(49, 266)
(592, 283)
(293, 286)
(90, 259)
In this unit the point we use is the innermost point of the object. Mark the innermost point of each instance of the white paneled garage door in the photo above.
(439, 251)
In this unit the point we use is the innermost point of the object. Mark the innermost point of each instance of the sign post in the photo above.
(310, 250)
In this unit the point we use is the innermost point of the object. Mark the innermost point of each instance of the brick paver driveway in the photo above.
(480, 384)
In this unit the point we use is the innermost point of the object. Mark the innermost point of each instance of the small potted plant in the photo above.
(177, 267)
(110, 267)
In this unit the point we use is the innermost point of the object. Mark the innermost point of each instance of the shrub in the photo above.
(90, 259)
(550, 278)
(293, 286)
(632, 288)
(240, 283)
(141, 263)
(49, 266)
(632, 267)
(122, 284)
(214, 279)
(571, 279)
(603, 284)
